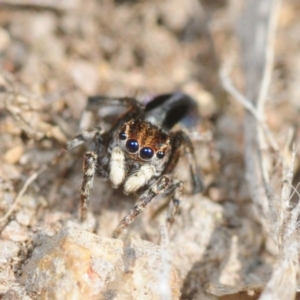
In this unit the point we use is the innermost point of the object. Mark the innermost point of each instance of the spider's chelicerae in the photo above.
(139, 152)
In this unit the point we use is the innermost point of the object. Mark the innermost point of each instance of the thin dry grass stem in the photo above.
(283, 283)
(273, 204)
(288, 217)
(295, 191)
(247, 104)
(261, 206)
(293, 223)
(257, 35)
(164, 286)
(237, 95)
(9, 93)
(281, 223)
(12, 102)
(264, 158)
(30, 180)
(269, 54)
(27, 183)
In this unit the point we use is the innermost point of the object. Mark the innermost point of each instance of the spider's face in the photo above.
(142, 144)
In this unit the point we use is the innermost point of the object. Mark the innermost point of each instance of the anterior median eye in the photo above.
(132, 146)
(122, 136)
(146, 153)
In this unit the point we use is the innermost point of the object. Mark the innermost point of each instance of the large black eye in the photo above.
(132, 146)
(160, 154)
(146, 153)
(122, 136)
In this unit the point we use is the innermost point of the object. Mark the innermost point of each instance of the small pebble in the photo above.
(24, 217)
(9, 250)
(15, 232)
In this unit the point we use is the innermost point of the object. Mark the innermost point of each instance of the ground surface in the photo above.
(52, 57)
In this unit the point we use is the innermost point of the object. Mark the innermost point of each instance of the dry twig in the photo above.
(28, 182)
(257, 35)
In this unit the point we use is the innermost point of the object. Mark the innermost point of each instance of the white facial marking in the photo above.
(117, 167)
(139, 179)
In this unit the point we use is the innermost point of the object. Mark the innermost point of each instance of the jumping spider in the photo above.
(140, 152)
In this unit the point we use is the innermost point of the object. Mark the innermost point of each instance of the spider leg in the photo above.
(85, 136)
(158, 187)
(182, 143)
(132, 107)
(89, 169)
(175, 190)
(89, 164)
(96, 101)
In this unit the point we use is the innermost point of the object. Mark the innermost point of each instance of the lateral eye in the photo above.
(122, 136)
(146, 153)
(160, 154)
(132, 146)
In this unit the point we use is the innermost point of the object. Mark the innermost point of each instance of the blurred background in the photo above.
(54, 54)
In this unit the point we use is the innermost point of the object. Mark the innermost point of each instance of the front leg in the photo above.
(86, 136)
(89, 164)
(159, 187)
(89, 169)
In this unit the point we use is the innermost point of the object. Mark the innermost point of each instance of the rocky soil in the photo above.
(53, 55)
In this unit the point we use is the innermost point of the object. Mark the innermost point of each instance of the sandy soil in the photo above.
(52, 57)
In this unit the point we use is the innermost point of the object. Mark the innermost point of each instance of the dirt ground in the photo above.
(54, 54)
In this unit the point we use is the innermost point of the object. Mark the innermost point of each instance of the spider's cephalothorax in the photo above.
(140, 151)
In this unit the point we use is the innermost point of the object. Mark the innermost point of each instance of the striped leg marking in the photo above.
(157, 188)
(176, 190)
(89, 168)
(83, 137)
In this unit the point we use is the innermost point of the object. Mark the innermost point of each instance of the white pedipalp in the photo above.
(139, 179)
(117, 167)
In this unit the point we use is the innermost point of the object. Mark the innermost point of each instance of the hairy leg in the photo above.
(181, 143)
(132, 108)
(156, 188)
(175, 190)
(89, 169)
(97, 101)
(89, 164)
(84, 137)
